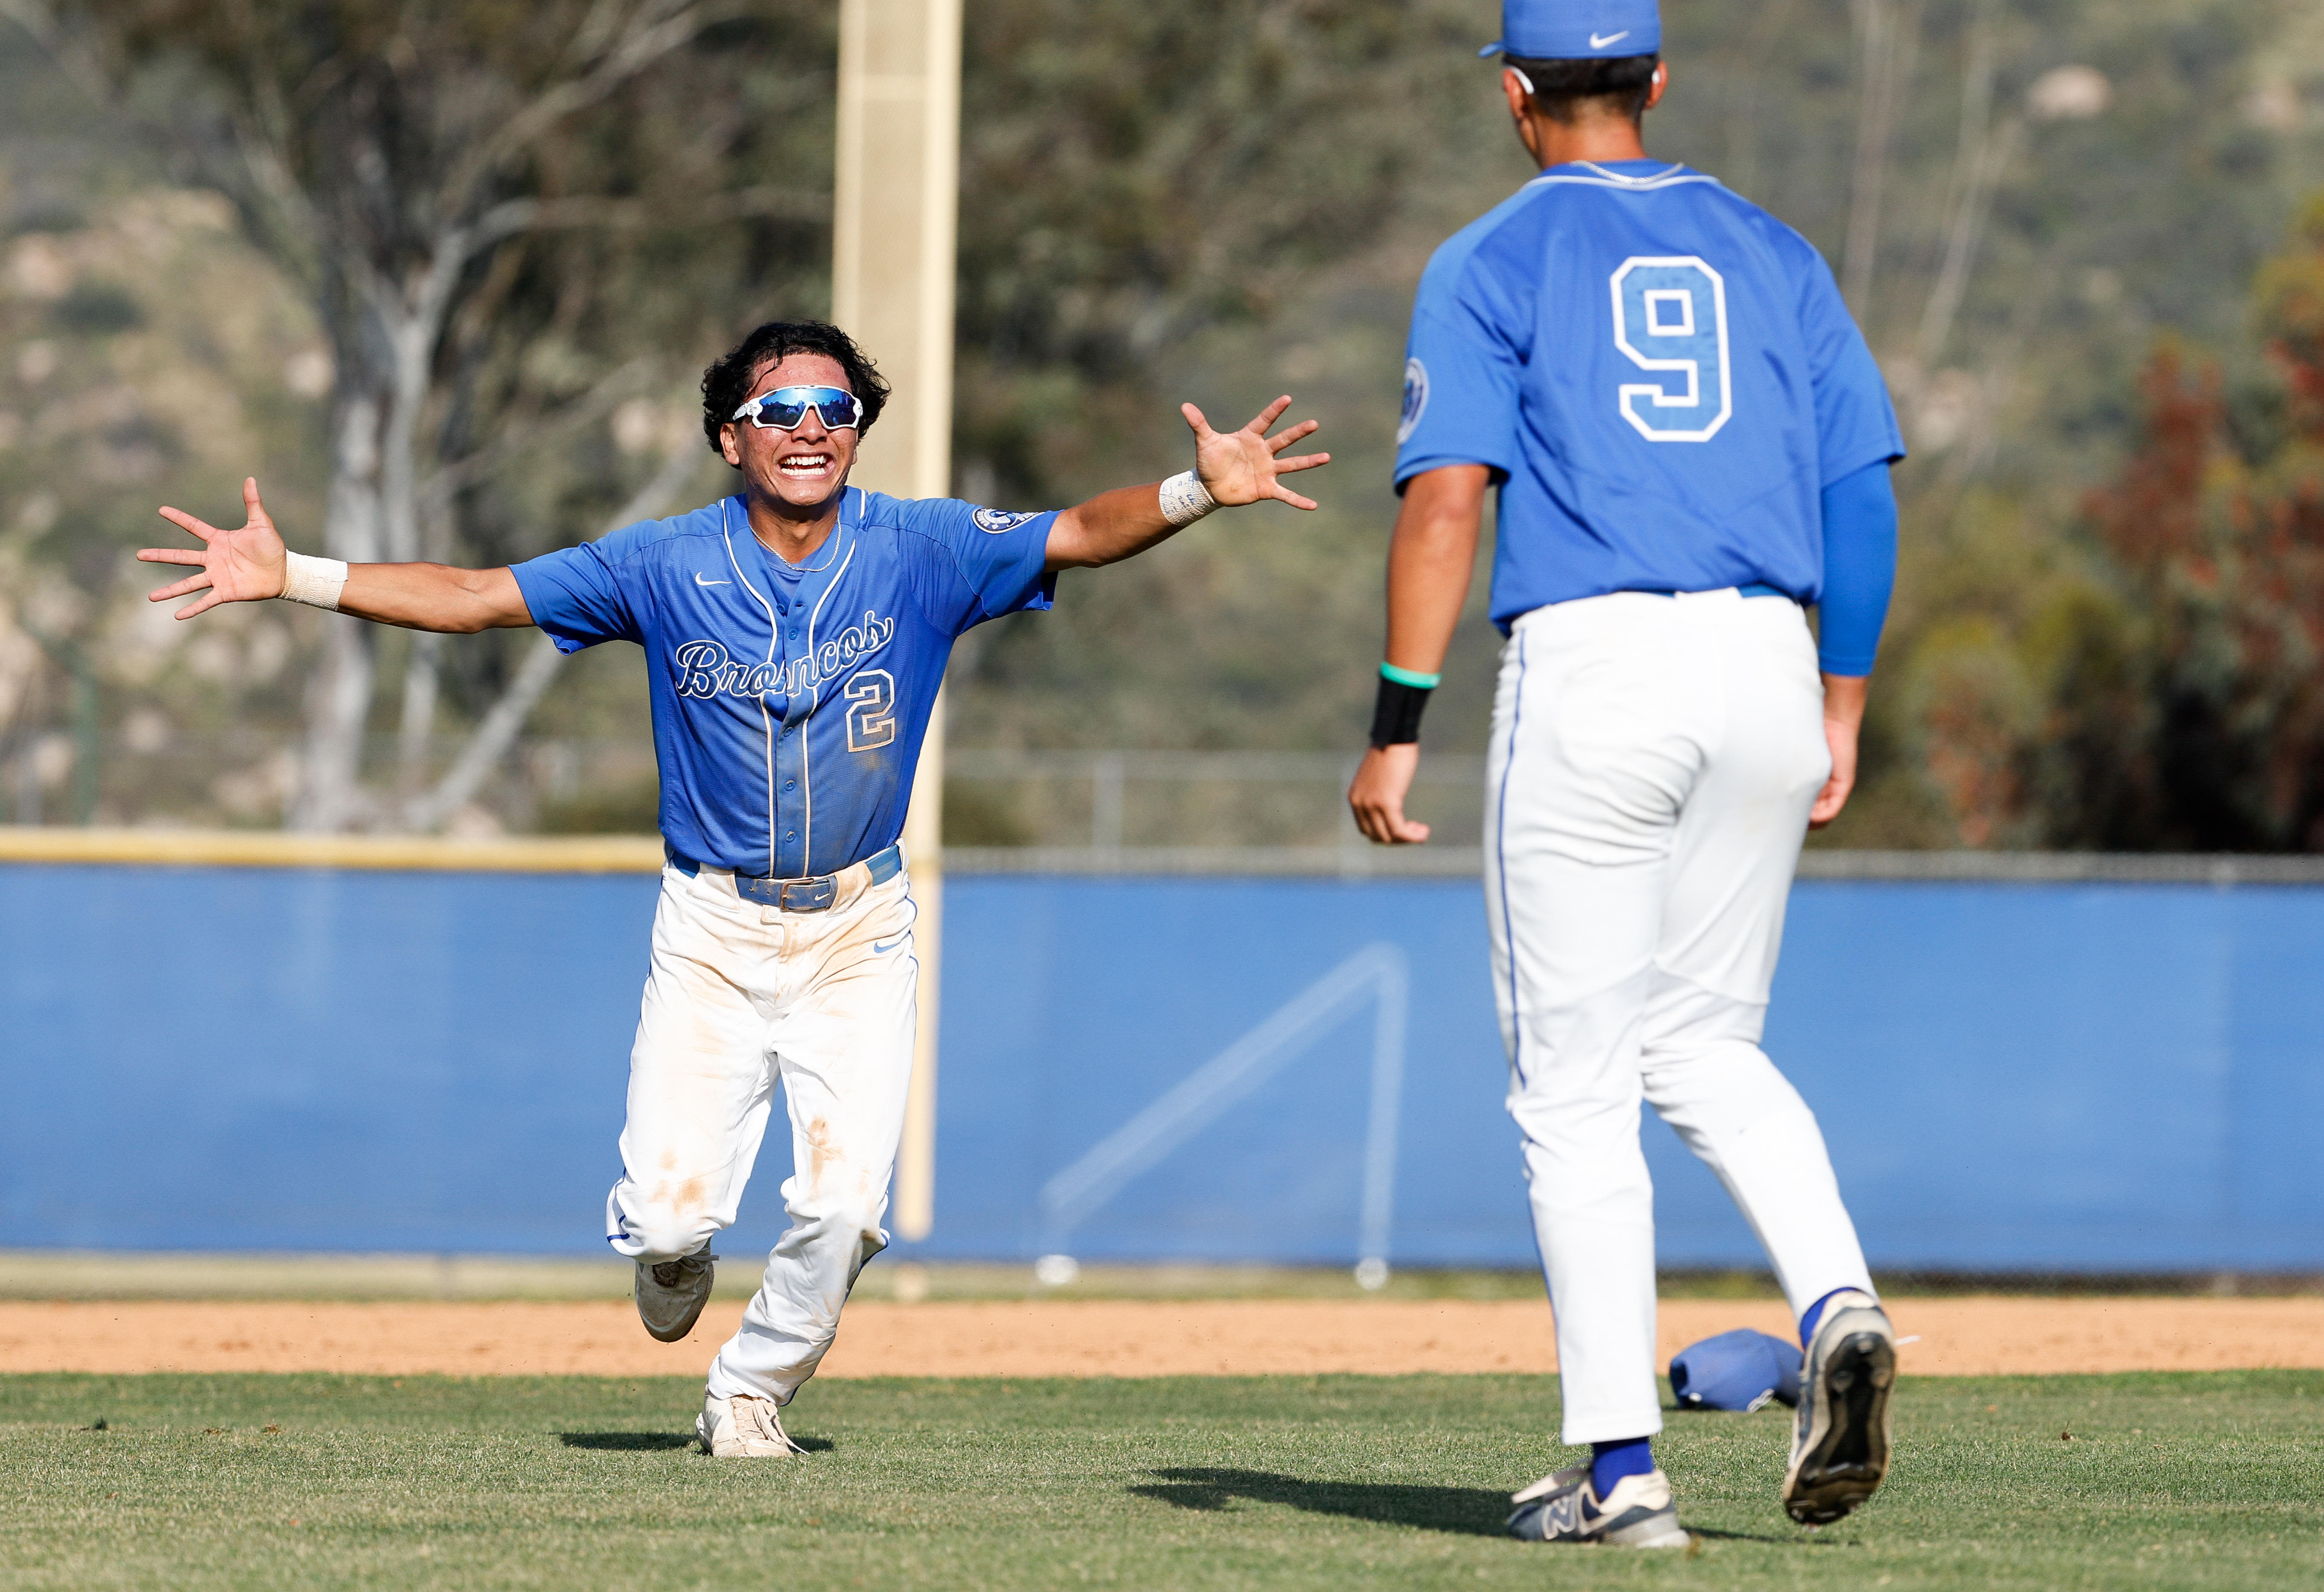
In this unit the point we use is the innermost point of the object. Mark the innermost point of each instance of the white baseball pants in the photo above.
(1653, 762)
(741, 997)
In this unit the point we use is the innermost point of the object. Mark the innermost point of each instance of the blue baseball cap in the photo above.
(1737, 1370)
(1577, 30)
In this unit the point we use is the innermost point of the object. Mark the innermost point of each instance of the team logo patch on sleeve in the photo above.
(993, 521)
(1416, 399)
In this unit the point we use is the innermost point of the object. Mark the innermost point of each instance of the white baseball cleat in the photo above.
(1839, 1445)
(672, 1292)
(1564, 1507)
(743, 1427)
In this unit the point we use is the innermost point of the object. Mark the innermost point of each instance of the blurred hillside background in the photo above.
(446, 274)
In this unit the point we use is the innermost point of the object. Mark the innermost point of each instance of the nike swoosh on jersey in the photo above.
(1598, 43)
(879, 950)
(700, 581)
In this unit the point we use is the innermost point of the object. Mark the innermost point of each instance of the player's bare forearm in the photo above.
(1110, 527)
(251, 565)
(1233, 468)
(1844, 697)
(1431, 559)
(434, 597)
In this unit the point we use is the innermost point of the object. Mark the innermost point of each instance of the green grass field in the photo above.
(198, 1482)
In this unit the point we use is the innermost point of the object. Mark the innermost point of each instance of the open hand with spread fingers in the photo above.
(243, 565)
(1244, 467)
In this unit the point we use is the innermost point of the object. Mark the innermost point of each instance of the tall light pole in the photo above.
(895, 222)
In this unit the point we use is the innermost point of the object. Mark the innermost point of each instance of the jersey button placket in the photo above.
(786, 770)
(790, 778)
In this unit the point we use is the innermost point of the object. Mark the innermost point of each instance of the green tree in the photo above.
(2215, 531)
(395, 160)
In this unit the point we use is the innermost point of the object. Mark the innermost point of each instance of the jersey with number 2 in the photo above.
(789, 700)
(1660, 374)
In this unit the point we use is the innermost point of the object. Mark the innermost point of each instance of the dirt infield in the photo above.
(1955, 1337)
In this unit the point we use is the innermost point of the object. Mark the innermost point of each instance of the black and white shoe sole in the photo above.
(668, 1314)
(1846, 1452)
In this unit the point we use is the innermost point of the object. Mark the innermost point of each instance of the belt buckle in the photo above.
(807, 895)
(790, 895)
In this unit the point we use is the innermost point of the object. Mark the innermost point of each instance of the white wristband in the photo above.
(1184, 499)
(316, 581)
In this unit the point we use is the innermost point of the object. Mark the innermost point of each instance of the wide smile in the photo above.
(804, 464)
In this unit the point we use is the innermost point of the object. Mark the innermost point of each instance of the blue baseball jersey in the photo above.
(1661, 375)
(789, 700)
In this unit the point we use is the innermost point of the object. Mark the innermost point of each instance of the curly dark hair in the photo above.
(727, 383)
(1617, 84)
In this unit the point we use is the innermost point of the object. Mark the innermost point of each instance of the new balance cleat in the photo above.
(672, 1292)
(1565, 1508)
(1840, 1442)
(742, 1428)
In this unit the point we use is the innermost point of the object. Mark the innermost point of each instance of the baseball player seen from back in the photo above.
(1692, 443)
(795, 635)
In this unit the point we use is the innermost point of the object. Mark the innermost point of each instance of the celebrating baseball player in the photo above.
(794, 634)
(1691, 442)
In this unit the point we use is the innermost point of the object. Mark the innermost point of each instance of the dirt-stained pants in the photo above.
(1654, 759)
(741, 997)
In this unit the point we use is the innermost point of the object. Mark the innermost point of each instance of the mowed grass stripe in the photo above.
(2194, 1480)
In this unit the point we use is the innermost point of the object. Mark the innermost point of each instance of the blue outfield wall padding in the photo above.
(2088, 1076)
(307, 1058)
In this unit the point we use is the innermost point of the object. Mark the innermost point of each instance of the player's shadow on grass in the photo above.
(1469, 1512)
(1785, 1540)
(634, 1442)
(626, 1441)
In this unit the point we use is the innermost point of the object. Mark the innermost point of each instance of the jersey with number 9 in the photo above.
(1661, 376)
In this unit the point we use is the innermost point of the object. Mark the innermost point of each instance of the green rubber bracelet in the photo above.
(1412, 678)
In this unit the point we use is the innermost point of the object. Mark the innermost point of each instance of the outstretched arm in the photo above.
(251, 565)
(1235, 467)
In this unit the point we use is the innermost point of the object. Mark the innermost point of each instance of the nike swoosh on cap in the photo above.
(700, 581)
(1598, 43)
